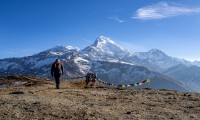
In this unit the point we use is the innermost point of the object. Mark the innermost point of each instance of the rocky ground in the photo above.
(25, 98)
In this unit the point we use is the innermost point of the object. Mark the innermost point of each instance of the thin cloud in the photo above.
(163, 10)
(116, 19)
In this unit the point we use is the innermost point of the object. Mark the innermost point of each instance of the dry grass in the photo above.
(43, 102)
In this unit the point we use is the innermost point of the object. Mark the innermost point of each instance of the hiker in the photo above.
(57, 71)
(90, 77)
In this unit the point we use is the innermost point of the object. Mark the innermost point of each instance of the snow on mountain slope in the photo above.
(61, 50)
(48, 57)
(153, 54)
(37, 64)
(43, 62)
(105, 49)
(109, 60)
(158, 60)
(84, 64)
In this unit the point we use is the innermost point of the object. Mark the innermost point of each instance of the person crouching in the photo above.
(90, 77)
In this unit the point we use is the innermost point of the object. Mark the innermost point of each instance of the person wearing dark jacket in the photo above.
(57, 71)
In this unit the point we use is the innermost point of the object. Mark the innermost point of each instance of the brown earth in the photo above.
(37, 99)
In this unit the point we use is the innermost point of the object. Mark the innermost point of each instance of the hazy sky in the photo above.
(31, 26)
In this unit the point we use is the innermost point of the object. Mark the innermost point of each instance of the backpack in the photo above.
(57, 71)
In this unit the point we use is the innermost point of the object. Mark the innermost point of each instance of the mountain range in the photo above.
(111, 63)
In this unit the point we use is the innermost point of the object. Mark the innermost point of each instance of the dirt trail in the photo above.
(41, 101)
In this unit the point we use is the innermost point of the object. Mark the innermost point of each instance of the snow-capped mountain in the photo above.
(105, 49)
(38, 64)
(61, 50)
(109, 60)
(158, 60)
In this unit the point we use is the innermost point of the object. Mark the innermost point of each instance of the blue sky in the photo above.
(31, 26)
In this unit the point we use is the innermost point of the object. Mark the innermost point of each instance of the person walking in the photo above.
(57, 71)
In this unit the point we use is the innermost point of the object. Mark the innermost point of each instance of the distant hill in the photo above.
(188, 74)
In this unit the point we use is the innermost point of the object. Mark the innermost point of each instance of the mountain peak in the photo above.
(156, 51)
(60, 50)
(101, 40)
(72, 48)
(105, 47)
(58, 47)
(153, 54)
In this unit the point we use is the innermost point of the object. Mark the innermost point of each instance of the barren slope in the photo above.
(40, 100)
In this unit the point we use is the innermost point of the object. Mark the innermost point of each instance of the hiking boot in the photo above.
(57, 87)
